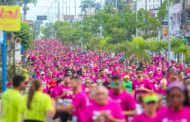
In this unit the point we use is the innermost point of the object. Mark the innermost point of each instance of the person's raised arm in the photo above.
(110, 118)
(129, 112)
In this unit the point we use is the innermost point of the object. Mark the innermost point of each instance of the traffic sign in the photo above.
(41, 17)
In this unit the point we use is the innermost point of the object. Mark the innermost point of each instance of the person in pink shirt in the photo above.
(103, 110)
(63, 94)
(150, 105)
(120, 96)
(43, 77)
(158, 74)
(176, 112)
(66, 91)
(141, 85)
(79, 102)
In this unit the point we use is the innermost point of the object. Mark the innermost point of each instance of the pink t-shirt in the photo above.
(169, 116)
(143, 118)
(126, 101)
(144, 83)
(57, 91)
(67, 88)
(111, 108)
(80, 102)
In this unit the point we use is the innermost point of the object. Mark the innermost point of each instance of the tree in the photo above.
(25, 6)
(119, 4)
(36, 29)
(163, 9)
(147, 24)
(85, 4)
(68, 32)
(25, 35)
(138, 48)
(128, 22)
(48, 31)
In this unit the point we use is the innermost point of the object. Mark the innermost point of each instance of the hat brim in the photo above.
(150, 99)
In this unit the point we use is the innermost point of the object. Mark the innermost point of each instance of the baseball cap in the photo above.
(126, 76)
(42, 73)
(150, 72)
(176, 84)
(158, 68)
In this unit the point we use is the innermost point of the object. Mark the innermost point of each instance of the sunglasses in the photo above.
(114, 84)
(152, 102)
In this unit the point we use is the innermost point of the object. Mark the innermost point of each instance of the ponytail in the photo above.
(36, 84)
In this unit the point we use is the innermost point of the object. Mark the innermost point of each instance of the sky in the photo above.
(50, 8)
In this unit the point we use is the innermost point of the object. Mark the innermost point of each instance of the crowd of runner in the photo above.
(70, 84)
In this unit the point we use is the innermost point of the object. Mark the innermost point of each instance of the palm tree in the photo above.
(87, 4)
(26, 8)
(119, 4)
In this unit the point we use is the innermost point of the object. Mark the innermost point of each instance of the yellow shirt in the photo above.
(12, 106)
(41, 103)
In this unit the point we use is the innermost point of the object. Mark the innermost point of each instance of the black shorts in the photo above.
(32, 121)
(63, 116)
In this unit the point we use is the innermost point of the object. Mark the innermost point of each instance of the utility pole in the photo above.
(69, 7)
(146, 31)
(58, 11)
(136, 17)
(146, 5)
(75, 9)
(62, 15)
(81, 38)
(116, 6)
(169, 41)
(101, 27)
(66, 8)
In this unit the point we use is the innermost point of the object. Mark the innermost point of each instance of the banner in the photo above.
(10, 19)
(175, 18)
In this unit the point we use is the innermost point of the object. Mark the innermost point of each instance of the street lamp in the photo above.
(136, 18)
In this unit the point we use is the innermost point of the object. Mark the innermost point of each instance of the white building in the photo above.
(148, 4)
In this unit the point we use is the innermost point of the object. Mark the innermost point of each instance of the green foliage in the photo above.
(163, 9)
(36, 29)
(48, 31)
(147, 25)
(120, 4)
(85, 4)
(25, 6)
(118, 31)
(25, 35)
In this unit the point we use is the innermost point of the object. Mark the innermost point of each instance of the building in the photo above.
(185, 22)
(145, 4)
